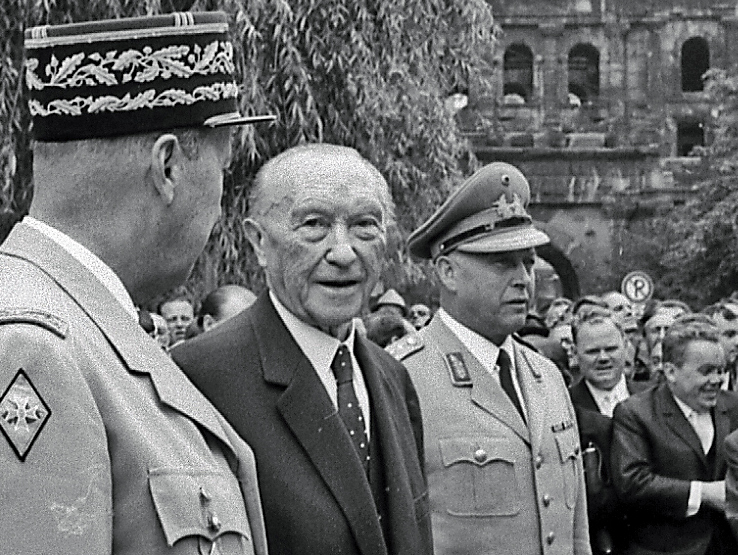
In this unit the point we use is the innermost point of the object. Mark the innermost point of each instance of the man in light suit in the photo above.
(106, 447)
(668, 460)
(503, 459)
(332, 418)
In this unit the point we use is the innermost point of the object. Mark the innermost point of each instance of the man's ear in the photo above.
(164, 165)
(446, 272)
(208, 322)
(257, 236)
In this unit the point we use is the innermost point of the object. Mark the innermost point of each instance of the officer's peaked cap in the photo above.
(487, 213)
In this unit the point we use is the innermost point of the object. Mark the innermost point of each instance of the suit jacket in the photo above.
(731, 481)
(581, 396)
(127, 457)
(316, 497)
(655, 455)
(497, 484)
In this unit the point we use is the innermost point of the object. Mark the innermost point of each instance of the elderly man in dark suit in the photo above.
(333, 419)
(668, 458)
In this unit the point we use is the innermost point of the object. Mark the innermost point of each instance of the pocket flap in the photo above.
(478, 450)
(194, 502)
(567, 442)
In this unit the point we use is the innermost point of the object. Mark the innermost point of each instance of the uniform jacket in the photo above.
(316, 497)
(131, 458)
(655, 455)
(496, 484)
(731, 481)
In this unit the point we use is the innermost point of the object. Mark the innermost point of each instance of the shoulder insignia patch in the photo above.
(23, 414)
(457, 370)
(405, 346)
(48, 321)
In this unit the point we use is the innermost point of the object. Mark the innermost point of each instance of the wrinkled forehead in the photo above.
(336, 180)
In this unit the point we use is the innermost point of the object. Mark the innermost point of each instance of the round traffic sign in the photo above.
(637, 286)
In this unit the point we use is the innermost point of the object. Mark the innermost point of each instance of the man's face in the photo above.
(322, 240)
(492, 290)
(728, 332)
(697, 381)
(419, 315)
(601, 354)
(178, 315)
(656, 327)
(619, 305)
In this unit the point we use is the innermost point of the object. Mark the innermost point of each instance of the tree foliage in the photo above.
(702, 260)
(372, 74)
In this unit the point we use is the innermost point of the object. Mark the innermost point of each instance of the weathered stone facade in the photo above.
(600, 102)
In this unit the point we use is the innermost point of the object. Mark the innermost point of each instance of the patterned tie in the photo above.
(506, 381)
(348, 404)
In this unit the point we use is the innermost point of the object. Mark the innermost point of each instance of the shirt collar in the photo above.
(618, 393)
(480, 347)
(316, 345)
(688, 411)
(89, 260)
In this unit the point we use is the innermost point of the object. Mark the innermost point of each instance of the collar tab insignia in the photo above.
(457, 370)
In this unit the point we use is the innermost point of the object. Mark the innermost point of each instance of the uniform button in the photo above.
(539, 462)
(214, 522)
(546, 500)
(550, 538)
(480, 455)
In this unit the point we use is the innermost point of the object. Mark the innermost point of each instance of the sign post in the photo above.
(638, 287)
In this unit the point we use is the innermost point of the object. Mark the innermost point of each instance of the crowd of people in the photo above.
(293, 422)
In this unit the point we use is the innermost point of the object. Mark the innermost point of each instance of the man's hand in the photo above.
(713, 495)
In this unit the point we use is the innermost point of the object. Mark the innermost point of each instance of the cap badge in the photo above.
(506, 210)
(23, 414)
(505, 179)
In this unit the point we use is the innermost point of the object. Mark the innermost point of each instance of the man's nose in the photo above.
(340, 249)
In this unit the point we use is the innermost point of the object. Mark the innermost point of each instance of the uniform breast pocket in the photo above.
(567, 442)
(201, 507)
(479, 478)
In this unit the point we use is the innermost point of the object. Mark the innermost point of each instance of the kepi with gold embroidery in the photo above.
(128, 76)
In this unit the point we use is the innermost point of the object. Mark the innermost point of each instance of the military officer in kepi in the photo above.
(105, 446)
(502, 451)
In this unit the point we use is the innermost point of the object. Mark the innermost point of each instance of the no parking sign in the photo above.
(637, 286)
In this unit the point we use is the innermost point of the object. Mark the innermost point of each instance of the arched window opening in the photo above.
(695, 62)
(518, 71)
(689, 135)
(584, 72)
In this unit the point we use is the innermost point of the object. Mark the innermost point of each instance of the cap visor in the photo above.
(507, 241)
(236, 119)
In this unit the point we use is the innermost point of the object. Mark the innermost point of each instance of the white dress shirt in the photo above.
(320, 348)
(89, 260)
(606, 400)
(705, 430)
(484, 351)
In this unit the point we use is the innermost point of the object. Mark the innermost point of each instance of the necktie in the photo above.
(506, 381)
(348, 404)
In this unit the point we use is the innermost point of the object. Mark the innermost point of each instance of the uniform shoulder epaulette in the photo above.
(405, 346)
(48, 321)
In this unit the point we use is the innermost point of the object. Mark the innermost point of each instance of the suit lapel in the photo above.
(386, 403)
(138, 352)
(485, 392)
(722, 429)
(316, 425)
(675, 420)
(584, 396)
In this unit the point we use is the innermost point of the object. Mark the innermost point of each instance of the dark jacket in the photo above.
(316, 496)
